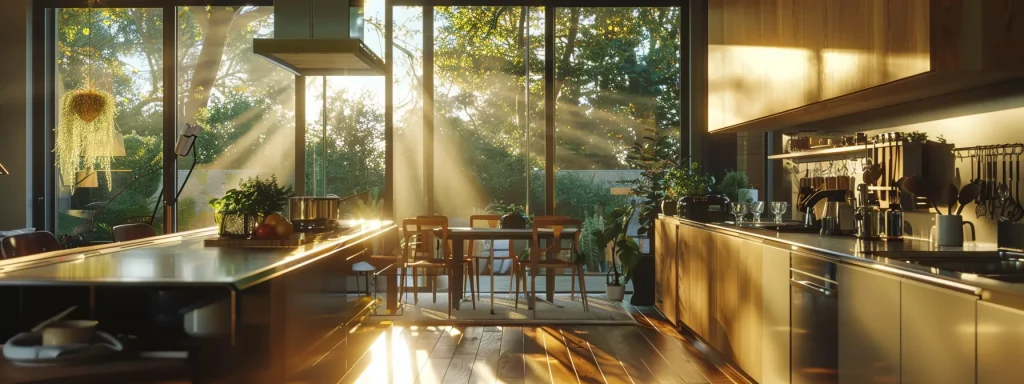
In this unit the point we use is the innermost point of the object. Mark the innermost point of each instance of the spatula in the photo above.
(967, 195)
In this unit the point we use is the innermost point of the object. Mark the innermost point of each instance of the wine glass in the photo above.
(778, 208)
(756, 208)
(738, 210)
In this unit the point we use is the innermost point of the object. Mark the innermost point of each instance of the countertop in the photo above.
(871, 254)
(187, 261)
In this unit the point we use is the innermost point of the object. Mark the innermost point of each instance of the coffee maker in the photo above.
(867, 215)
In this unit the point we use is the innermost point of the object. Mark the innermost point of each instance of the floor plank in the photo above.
(485, 367)
(713, 368)
(612, 370)
(461, 366)
(583, 360)
(538, 368)
(440, 356)
(619, 342)
(512, 358)
(563, 368)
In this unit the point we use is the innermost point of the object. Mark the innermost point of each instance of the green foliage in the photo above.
(689, 182)
(591, 249)
(624, 247)
(732, 183)
(653, 156)
(254, 196)
(500, 208)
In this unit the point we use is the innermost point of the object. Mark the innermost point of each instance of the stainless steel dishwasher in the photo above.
(814, 317)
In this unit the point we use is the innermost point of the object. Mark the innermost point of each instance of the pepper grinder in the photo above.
(894, 223)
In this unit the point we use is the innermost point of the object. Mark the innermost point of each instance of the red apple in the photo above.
(265, 231)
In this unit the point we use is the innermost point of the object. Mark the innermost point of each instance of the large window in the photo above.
(244, 103)
(119, 52)
(488, 98)
(617, 78)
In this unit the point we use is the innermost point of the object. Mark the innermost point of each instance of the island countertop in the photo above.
(185, 261)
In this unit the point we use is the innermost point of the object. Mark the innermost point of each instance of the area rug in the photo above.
(563, 310)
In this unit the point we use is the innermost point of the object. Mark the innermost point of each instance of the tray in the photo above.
(292, 242)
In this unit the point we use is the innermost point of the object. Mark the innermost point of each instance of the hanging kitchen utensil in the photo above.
(949, 198)
(967, 194)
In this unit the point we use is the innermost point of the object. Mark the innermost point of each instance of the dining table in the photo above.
(458, 237)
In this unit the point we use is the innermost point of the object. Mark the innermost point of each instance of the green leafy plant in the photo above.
(591, 247)
(732, 183)
(624, 247)
(254, 196)
(692, 181)
(916, 137)
(654, 156)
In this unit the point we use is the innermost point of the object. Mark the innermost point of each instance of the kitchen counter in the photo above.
(871, 254)
(184, 261)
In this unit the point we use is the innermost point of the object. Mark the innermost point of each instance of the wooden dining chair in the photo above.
(466, 277)
(25, 244)
(554, 254)
(419, 252)
(129, 232)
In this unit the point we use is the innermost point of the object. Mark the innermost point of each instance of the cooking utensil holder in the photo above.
(950, 231)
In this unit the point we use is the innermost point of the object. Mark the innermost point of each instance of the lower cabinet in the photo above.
(774, 315)
(665, 259)
(869, 326)
(1000, 341)
(698, 250)
(736, 320)
(937, 338)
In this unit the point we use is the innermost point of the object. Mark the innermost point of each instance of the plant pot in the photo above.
(615, 292)
(513, 221)
(643, 281)
(668, 207)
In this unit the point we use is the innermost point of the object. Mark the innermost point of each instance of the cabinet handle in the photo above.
(813, 287)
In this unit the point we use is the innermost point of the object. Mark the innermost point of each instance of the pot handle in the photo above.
(974, 234)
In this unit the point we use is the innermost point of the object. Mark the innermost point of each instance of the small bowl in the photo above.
(69, 332)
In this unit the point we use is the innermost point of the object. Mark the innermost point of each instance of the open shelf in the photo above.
(832, 153)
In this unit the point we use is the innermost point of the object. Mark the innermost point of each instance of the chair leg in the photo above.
(358, 290)
(492, 280)
(531, 297)
(433, 288)
(415, 291)
(473, 286)
(367, 282)
(512, 275)
(518, 275)
(401, 285)
(583, 291)
(476, 270)
(572, 286)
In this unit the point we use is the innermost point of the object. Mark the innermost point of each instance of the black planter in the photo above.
(513, 221)
(643, 282)
(668, 207)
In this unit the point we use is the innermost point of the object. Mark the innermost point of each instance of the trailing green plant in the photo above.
(254, 196)
(732, 183)
(85, 144)
(653, 156)
(624, 247)
(692, 181)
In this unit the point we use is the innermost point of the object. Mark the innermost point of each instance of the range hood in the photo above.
(320, 38)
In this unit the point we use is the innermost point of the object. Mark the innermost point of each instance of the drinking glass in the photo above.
(756, 208)
(739, 210)
(779, 208)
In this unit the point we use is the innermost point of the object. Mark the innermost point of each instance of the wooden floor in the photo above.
(651, 352)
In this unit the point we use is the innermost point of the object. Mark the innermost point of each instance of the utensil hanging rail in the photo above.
(983, 150)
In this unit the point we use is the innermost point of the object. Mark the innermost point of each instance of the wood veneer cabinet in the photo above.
(869, 326)
(1000, 337)
(938, 329)
(736, 326)
(775, 312)
(665, 258)
(779, 64)
(698, 251)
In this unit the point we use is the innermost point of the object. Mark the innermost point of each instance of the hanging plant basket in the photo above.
(85, 134)
(88, 104)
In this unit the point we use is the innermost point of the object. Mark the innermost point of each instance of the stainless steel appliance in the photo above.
(814, 316)
(315, 214)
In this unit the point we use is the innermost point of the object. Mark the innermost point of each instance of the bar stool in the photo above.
(366, 269)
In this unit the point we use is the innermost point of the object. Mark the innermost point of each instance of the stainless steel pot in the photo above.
(315, 208)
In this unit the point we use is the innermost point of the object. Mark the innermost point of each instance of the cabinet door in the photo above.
(869, 326)
(1000, 341)
(937, 338)
(749, 316)
(683, 239)
(701, 250)
(726, 296)
(665, 269)
(775, 315)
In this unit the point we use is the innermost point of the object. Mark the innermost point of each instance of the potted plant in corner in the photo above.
(625, 251)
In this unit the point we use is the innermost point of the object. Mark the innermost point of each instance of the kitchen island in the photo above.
(264, 311)
(799, 307)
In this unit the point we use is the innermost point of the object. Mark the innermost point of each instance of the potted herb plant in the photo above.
(736, 186)
(241, 209)
(512, 215)
(625, 251)
(693, 186)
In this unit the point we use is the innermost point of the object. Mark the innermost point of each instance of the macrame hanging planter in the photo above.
(85, 132)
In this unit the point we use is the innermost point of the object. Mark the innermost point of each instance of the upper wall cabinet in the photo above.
(775, 64)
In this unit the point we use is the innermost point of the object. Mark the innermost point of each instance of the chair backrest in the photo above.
(428, 217)
(563, 229)
(419, 238)
(129, 232)
(28, 244)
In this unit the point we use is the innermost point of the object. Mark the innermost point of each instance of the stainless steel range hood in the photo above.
(320, 38)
